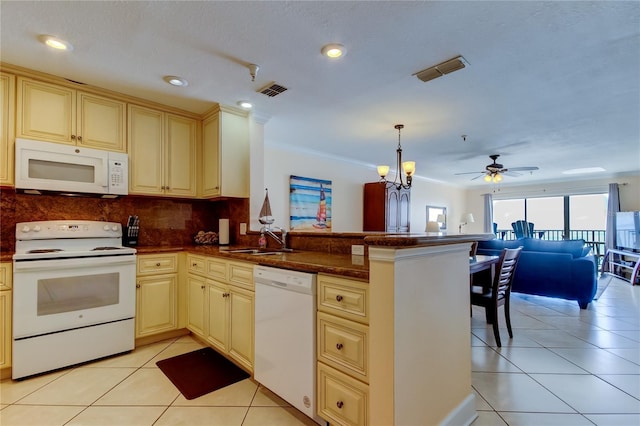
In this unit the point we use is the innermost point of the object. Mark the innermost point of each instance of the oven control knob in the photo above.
(25, 228)
(36, 228)
(114, 228)
(106, 227)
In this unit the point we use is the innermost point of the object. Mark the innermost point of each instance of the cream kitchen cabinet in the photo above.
(343, 350)
(162, 153)
(61, 114)
(221, 305)
(225, 154)
(6, 278)
(7, 129)
(157, 294)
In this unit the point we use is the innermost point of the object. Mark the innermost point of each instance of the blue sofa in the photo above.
(564, 269)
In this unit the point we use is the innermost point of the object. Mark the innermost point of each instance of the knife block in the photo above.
(129, 240)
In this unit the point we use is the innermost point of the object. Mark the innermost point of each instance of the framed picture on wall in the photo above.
(310, 204)
(437, 214)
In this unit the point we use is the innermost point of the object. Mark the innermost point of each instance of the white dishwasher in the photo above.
(285, 336)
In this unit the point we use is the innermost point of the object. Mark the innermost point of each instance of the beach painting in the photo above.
(310, 204)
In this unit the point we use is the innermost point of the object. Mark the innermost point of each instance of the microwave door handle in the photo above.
(104, 176)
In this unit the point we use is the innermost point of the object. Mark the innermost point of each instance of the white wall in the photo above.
(629, 194)
(347, 180)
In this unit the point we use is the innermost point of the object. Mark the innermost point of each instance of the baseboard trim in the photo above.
(464, 414)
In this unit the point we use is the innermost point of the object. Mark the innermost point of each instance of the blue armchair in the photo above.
(522, 229)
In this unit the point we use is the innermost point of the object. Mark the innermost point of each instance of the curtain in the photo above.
(612, 208)
(488, 213)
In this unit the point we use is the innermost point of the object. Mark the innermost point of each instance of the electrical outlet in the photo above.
(243, 229)
(357, 249)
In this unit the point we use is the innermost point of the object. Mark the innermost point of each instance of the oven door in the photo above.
(61, 294)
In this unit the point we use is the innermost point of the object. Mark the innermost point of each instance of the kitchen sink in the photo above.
(258, 251)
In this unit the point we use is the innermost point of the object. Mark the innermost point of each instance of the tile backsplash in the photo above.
(162, 221)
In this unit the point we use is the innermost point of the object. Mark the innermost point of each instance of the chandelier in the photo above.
(408, 167)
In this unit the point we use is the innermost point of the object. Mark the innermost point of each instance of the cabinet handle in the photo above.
(339, 346)
(202, 287)
(73, 137)
(167, 187)
(339, 298)
(339, 404)
(158, 264)
(137, 285)
(194, 265)
(79, 138)
(225, 294)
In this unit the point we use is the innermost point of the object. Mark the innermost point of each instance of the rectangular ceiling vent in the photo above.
(441, 69)
(272, 89)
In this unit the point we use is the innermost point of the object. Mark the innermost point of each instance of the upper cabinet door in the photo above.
(180, 148)
(59, 114)
(146, 155)
(46, 112)
(7, 128)
(101, 123)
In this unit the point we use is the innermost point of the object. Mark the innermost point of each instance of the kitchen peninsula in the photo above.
(418, 355)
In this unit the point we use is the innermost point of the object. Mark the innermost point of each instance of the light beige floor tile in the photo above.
(265, 398)
(486, 359)
(632, 334)
(13, 390)
(147, 386)
(630, 354)
(172, 350)
(488, 418)
(117, 416)
(82, 386)
(519, 338)
(517, 392)
(544, 419)
(481, 404)
(280, 416)
(38, 415)
(598, 361)
(203, 416)
(556, 339)
(539, 360)
(604, 339)
(588, 394)
(615, 419)
(239, 394)
(629, 383)
(136, 358)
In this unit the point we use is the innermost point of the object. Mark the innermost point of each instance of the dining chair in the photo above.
(500, 291)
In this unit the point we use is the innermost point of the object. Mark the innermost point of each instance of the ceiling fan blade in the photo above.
(467, 173)
(523, 169)
(478, 177)
(511, 173)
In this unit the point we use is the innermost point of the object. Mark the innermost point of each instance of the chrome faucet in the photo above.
(280, 240)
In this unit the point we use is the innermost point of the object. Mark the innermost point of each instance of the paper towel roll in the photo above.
(223, 232)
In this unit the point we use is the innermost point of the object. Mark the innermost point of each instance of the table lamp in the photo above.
(466, 219)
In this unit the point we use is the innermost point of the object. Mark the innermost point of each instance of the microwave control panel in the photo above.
(118, 182)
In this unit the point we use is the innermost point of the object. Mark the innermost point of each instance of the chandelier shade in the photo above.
(408, 168)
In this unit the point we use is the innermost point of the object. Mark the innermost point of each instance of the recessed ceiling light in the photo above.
(176, 81)
(334, 50)
(55, 42)
(245, 104)
(583, 171)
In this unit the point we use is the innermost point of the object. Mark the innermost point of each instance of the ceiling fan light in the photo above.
(487, 178)
(497, 178)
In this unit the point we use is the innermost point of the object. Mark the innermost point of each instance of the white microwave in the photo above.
(45, 166)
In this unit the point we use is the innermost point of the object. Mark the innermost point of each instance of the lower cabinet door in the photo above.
(156, 304)
(241, 316)
(5, 328)
(342, 400)
(218, 322)
(196, 287)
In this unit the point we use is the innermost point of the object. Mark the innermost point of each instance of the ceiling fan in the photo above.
(493, 172)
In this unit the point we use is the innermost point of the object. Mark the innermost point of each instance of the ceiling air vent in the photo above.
(441, 69)
(272, 89)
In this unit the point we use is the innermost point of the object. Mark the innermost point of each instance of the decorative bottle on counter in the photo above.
(262, 241)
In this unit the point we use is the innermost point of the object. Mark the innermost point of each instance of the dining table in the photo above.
(481, 262)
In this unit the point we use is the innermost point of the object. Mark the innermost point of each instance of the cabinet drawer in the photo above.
(196, 265)
(217, 268)
(343, 297)
(6, 275)
(157, 264)
(241, 274)
(344, 344)
(342, 400)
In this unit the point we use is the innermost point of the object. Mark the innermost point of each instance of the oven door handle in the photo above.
(77, 262)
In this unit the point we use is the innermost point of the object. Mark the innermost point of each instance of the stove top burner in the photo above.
(107, 248)
(44, 251)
